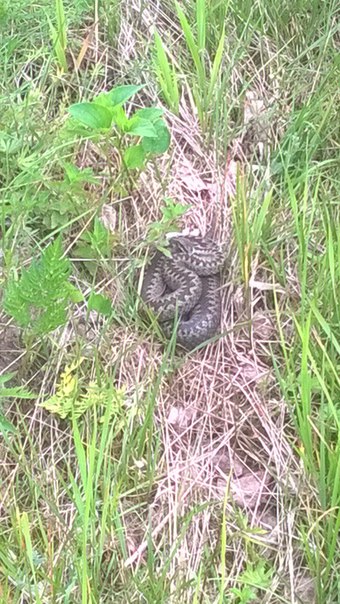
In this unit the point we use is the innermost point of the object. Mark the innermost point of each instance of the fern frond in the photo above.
(68, 402)
(39, 299)
(14, 391)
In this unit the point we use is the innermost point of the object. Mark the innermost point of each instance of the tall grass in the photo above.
(203, 79)
(166, 75)
(309, 377)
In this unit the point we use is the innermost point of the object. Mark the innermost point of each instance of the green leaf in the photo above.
(119, 117)
(173, 210)
(6, 377)
(6, 426)
(216, 66)
(92, 115)
(102, 99)
(75, 174)
(201, 19)
(141, 127)
(193, 47)
(134, 157)
(166, 75)
(159, 144)
(59, 44)
(101, 304)
(16, 392)
(61, 21)
(120, 94)
(152, 114)
(75, 295)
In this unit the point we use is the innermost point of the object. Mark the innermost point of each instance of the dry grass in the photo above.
(220, 415)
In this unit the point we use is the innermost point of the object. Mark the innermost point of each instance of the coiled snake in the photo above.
(186, 285)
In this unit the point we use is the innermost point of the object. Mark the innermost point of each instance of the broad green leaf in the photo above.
(159, 144)
(152, 114)
(134, 157)
(118, 115)
(120, 94)
(101, 304)
(102, 99)
(92, 115)
(141, 127)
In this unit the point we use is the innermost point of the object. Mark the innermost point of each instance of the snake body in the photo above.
(186, 286)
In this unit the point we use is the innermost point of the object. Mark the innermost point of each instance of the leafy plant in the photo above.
(254, 578)
(39, 299)
(95, 244)
(105, 117)
(62, 199)
(10, 392)
(13, 391)
(71, 400)
(171, 212)
(244, 595)
(100, 303)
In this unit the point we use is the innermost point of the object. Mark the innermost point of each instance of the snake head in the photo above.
(184, 244)
(202, 255)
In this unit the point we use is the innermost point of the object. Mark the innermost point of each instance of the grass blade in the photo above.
(61, 23)
(216, 67)
(193, 47)
(166, 75)
(58, 47)
(201, 24)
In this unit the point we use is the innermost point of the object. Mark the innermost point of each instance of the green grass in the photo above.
(124, 493)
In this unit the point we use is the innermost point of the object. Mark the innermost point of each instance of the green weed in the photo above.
(105, 115)
(38, 300)
(59, 35)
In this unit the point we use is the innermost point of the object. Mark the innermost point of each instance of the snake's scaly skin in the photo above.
(186, 286)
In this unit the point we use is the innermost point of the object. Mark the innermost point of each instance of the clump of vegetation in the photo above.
(105, 116)
(39, 298)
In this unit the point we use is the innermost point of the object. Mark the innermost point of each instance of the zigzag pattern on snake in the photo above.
(186, 285)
